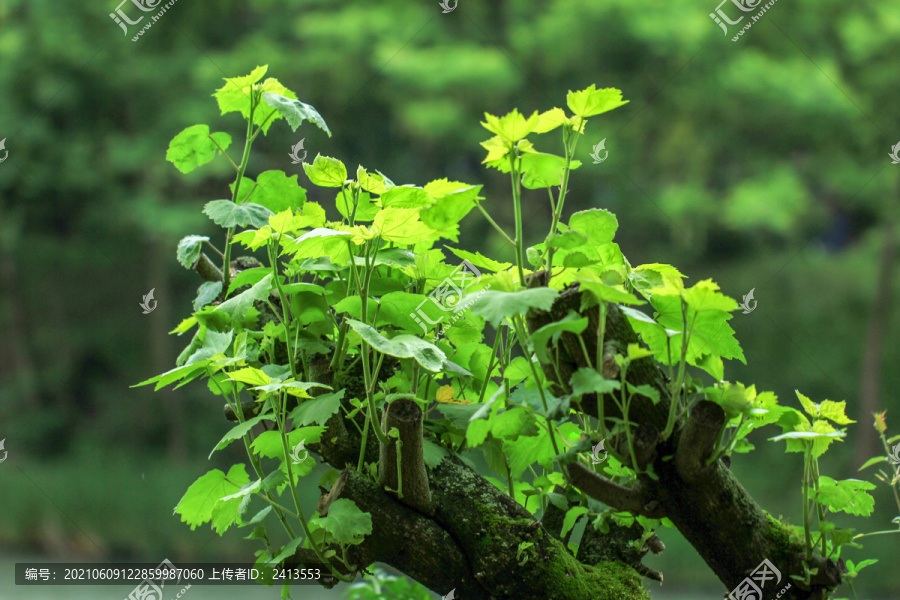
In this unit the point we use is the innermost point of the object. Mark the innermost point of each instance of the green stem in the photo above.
(226, 270)
(517, 207)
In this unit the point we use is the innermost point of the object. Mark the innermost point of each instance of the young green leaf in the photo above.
(196, 506)
(239, 430)
(235, 96)
(188, 252)
(572, 516)
(226, 213)
(346, 523)
(195, 146)
(326, 171)
(495, 306)
(236, 307)
(591, 101)
(295, 112)
(849, 496)
(317, 410)
(402, 346)
(206, 293)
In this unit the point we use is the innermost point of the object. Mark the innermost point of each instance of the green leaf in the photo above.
(572, 516)
(835, 411)
(346, 523)
(567, 240)
(207, 293)
(598, 224)
(225, 512)
(495, 306)
(872, 461)
(326, 171)
(365, 208)
(235, 95)
(247, 277)
(482, 262)
(196, 506)
(608, 293)
(704, 295)
(320, 242)
(541, 170)
(433, 453)
(237, 306)
(588, 381)
(402, 346)
(250, 376)
(373, 183)
(511, 127)
(317, 410)
(239, 430)
(295, 112)
(226, 213)
(188, 252)
(268, 443)
(572, 322)
(276, 191)
(289, 549)
(194, 147)
(591, 101)
(401, 226)
(849, 496)
(406, 196)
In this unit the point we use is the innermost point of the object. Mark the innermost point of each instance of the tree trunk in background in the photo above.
(870, 388)
(160, 350)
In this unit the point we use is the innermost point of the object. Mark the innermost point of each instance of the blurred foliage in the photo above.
(760, 163)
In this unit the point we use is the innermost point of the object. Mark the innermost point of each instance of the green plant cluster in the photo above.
(350, 294)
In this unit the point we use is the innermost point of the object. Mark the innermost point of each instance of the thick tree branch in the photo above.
(406, 416)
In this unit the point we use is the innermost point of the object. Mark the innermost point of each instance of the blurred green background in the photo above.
(761, 163)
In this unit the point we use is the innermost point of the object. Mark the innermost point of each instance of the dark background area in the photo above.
(761, 163)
